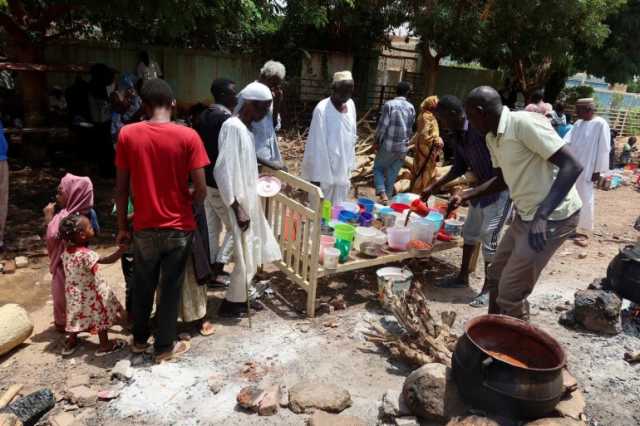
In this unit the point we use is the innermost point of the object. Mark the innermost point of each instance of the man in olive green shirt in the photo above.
(540, 172)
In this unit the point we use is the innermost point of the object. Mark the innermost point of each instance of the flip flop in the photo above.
(207, 332)
(118, 345)
(66, 351)
(179, 349)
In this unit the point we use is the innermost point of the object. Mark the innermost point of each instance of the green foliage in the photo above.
(578, 92)
(528, 38)
(617, 59)
(448, 27)
(633, 86)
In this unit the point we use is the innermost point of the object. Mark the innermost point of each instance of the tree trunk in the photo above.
(430, 68)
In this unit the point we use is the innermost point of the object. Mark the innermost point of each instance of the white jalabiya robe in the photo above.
(236, 173)
(590, 142)
(329, 156)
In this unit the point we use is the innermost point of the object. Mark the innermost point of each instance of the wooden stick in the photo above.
(6, 397)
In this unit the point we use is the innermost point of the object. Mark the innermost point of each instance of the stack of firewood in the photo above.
(425, 338)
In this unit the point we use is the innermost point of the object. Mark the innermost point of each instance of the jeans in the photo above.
(160, 262)
(385, 170)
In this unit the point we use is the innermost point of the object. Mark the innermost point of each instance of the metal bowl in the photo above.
(371, 249)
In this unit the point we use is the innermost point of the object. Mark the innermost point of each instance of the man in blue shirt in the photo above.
(487, 214)
(4, 185)
(395, 127)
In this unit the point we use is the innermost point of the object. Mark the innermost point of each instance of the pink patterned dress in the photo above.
(91, 304)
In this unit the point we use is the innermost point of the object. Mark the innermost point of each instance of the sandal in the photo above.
(480, 301)
(117, 346)
(69, 350)
(179, 349)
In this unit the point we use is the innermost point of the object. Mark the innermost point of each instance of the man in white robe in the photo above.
(236, 173)
(590, 142)
(329, 156)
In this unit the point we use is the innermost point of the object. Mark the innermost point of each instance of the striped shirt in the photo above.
(395, 125)
(471, 153)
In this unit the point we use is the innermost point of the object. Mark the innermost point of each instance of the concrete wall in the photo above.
(189, 72)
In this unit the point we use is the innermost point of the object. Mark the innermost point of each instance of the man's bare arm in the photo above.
(199, 186)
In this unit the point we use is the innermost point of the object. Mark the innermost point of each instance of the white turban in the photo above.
(256, 92)
(342, 76)
(253, 92)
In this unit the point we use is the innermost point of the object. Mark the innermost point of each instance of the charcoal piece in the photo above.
(29, 409)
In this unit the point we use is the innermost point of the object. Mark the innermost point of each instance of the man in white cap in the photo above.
(590, 142)
(236, 173)
(329, 155)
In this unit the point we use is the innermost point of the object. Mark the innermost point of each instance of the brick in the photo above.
(270, 401)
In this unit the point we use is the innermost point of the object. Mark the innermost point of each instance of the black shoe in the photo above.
(452, 283)
(232, 309)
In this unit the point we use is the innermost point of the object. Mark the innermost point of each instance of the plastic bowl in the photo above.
(397, 207)
(346, 216)
(399, 237)
(436, 218)
(349, 206)
(366, 204)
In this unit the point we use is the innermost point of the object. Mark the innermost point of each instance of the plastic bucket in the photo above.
(346, 216)
(436, 218)
(326, 210)
(397, 278)
(344, 247)
(331, 257)
(399, 237)
(364, 235)
(422, 230)
(344, 231)
(349, 206)
(366, 204)
(453, 227)
(326, 241)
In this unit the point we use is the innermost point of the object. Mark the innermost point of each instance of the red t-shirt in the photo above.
(159, 158)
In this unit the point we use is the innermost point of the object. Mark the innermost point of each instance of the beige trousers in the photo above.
(516, 267)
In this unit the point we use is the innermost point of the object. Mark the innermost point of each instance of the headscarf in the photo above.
(79, 193)
(429, 104)
(255, 91)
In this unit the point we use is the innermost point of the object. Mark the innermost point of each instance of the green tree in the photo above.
(617, 59)
(528, 39)
(30, 25)
(447, 28)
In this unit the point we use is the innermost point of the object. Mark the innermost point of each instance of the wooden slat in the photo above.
(361, 263)
(305, 250)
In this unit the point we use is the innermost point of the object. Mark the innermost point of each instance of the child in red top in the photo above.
(91, 304)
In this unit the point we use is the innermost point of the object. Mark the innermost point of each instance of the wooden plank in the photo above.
(291, 275)
(361, 263)
(294, 205)
(305, 251)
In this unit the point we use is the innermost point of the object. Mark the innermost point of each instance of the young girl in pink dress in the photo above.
(91, 304)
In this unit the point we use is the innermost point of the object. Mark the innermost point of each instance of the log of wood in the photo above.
(8, 395)
(15, 326)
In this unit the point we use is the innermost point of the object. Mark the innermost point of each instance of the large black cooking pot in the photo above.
(623, 274)
(507, 366)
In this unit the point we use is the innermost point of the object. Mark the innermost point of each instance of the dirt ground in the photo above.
(284, 347)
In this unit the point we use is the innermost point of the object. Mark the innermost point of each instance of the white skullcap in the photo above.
(585, 101)
(256, 92)
(342, 76)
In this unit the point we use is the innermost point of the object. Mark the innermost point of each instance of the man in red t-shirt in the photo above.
(156, 158)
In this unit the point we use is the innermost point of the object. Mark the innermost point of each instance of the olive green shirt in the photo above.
(522, 148)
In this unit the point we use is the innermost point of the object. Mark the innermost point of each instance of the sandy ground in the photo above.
(285, 347)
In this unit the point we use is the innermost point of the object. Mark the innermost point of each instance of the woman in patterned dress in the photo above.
(91, 304)
(428, 146)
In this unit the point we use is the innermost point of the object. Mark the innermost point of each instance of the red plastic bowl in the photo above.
(399, 207)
